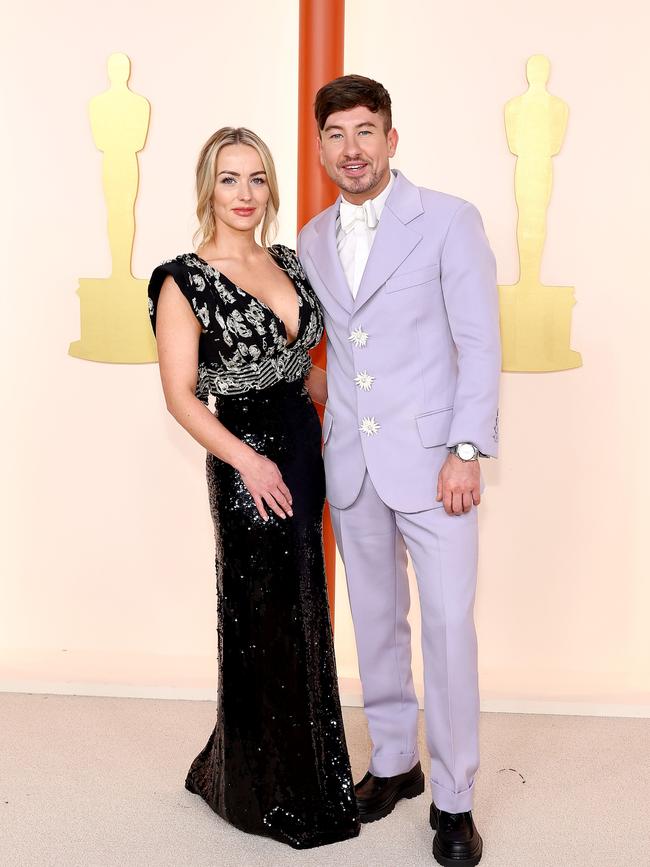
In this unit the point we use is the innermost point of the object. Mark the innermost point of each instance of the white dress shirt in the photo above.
(356, 228)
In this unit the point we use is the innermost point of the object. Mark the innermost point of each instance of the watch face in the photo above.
(465, 451)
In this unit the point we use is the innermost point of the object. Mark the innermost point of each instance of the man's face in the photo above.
(354, 149)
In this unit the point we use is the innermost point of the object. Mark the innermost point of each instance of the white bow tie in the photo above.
(350, 213)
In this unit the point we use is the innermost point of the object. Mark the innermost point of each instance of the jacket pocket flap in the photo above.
(328, 420)
(433, 427)
(412, 278)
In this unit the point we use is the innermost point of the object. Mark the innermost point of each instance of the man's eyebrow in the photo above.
(358, 126)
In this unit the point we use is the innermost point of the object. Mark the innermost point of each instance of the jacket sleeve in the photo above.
(299, 243)
(468, 279)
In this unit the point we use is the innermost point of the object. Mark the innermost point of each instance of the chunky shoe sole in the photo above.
(447, 860)
(410, 790)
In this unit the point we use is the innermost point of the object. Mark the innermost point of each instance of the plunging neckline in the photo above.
(220, 275)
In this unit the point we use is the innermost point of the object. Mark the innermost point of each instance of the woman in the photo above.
(276, 763)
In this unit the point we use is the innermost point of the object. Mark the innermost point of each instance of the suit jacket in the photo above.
(425, 327)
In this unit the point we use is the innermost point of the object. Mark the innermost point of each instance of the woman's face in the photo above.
(241, 191)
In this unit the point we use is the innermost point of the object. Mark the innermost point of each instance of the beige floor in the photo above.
(99, 781)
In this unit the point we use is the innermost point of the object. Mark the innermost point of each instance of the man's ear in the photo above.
(319, 146)
(393, 138)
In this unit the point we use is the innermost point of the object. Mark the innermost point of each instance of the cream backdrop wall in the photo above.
(107, 579)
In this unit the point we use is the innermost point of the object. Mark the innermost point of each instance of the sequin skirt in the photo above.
(276, 763)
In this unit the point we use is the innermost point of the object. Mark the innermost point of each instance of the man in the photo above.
(407, 283)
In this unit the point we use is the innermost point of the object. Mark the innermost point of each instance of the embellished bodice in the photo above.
(243, 344)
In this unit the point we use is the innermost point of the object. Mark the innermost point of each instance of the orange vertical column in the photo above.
(320, 60)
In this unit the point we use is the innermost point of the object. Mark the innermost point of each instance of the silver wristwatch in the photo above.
(465, 451)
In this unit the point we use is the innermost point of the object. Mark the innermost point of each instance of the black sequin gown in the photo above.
(276, 763)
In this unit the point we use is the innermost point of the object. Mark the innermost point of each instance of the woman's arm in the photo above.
(177, 336)
(316, 383)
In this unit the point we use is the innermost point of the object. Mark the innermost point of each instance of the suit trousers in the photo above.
(373, 540)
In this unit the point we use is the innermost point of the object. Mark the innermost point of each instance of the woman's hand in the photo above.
(264, 482)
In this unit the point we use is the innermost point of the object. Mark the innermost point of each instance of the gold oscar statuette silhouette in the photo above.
(114, 316)
(535, 319)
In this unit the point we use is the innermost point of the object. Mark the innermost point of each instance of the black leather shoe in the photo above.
(456, 843)
(377, 796)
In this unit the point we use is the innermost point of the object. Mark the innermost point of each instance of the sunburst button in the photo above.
(364, 380)
(358, 337)
(369, 426)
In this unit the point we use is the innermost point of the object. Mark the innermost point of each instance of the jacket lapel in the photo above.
(394, 241)
(325, 257)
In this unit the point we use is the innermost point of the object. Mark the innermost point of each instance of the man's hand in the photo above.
(459, 485)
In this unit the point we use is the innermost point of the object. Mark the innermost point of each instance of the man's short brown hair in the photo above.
(348, 92)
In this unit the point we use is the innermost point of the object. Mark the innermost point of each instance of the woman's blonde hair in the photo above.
(206, 178)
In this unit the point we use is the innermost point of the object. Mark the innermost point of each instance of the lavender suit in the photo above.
(413, 366)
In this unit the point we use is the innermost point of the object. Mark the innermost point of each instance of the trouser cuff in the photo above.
(452, 802)
(392, 765)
